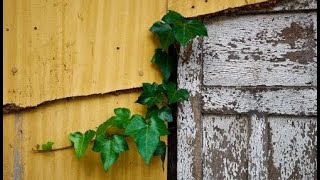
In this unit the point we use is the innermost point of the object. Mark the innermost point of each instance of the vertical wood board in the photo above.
(292, 148)
(225, 140)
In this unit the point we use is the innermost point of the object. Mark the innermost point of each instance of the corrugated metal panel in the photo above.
(193, 8)
(8, 144)
(56, 49)
(54, 122)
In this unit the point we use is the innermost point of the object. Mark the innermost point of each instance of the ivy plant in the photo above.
(147, 129)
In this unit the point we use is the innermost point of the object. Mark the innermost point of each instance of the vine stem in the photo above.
(56, 149)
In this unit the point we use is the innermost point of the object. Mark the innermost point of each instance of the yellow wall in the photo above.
(73, 50)
(54, 122)
(56, 49)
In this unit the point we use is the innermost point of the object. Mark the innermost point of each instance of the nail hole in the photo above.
(206, 1)
(7, 29)
(35, 28)
(118, 48)
(192, 7)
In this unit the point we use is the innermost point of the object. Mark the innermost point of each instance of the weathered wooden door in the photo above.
(252, 111)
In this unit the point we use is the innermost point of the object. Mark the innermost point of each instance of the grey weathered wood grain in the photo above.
(257, 147)
(270, 49)
(225, 141)
(189, 123)
(292, 148)
(274, 6)
(283, 5)
(287, 101)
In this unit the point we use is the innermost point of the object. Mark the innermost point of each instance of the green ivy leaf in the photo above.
(184, 30)
(187, 31)
(164, 113)
(161, 151)
(164, 32)
(175, 95)
(110, 148)
(165, 63)
(159, 126)
(120, 120)
(173, 17)
(151, 95)
(146, 136)
(136, 124)
(147, 140)
(81, 141)
(47, 146)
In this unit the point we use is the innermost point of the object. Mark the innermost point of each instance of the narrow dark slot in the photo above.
(172, 126)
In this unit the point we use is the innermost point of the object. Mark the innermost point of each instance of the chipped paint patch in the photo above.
(257, 151)
(225, 147)
(287, 101)
(270, 49)
(293, 147)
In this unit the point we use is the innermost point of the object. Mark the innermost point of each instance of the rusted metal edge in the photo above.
(240, 10)
(261, 8)
(13, 108)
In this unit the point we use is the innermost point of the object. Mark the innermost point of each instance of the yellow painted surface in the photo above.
(61, 48)
(54, 122)
(192, 8)
(8, 145)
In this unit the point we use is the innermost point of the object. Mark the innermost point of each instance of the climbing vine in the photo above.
(173, 29)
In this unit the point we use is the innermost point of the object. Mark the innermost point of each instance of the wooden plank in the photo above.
(284, 5)
(271, 49)
(287, 101)
(55, 121)
(225, 140)
(275, 6)
(293, 148)
(194, 8)
(257, 147)
(189, 123)
(56, 49)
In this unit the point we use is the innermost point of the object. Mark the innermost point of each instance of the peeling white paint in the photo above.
(277, 49)
(257, 159)
(294, 142)
(186, 135)
(288, 101)
(274, 50)
(189, 69)
(295, 5)
(224, 147)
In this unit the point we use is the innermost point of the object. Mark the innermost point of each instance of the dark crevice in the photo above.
(254, 9)
(172, 126)
(12, 108)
